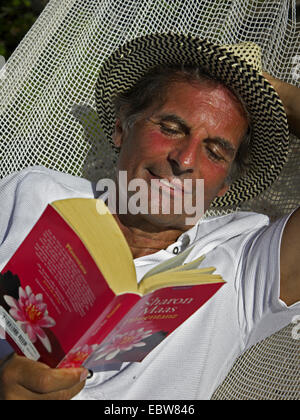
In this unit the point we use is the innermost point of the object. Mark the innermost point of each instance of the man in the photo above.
(172, 126)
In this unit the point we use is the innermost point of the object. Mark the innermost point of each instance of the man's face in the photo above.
(194, 135)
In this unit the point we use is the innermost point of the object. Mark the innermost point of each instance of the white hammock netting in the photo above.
(47, 116)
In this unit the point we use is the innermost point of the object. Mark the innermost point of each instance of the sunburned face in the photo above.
(194, 135)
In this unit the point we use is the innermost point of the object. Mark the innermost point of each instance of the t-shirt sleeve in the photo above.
(24, 196)
(261, 310)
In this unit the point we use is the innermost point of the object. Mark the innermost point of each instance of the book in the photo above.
(69, 295)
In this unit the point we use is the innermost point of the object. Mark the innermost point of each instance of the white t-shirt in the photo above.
(193, 360)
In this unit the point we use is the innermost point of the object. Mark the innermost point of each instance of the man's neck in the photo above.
(145, 237)
(144, 240)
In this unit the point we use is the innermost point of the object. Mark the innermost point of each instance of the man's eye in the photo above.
(213, 155)
(168, 130)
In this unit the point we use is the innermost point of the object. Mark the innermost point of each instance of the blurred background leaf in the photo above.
(16, 18)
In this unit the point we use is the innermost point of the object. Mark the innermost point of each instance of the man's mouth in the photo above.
(172, 183)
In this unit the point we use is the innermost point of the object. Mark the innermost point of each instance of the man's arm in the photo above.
(290, 261)
(290, 246)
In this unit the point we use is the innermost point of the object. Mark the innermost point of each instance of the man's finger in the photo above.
(39, 378)
(19, 393)
(63, 395)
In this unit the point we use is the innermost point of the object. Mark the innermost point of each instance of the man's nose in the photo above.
(184, 156)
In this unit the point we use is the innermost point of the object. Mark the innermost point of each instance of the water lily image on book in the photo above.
(31, 314)
(123, 342)
(77, 356)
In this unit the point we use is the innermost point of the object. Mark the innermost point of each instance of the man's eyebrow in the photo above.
(225, 144)
(177, 120)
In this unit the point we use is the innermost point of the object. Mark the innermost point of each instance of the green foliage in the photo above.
(16, 18)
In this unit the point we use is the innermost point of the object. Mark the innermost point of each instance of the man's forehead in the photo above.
(205, 89)
(208, 93)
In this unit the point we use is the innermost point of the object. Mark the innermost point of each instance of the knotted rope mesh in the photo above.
(47, 114)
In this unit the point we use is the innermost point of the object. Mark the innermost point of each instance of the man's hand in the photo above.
(290, 96)
(23, 379)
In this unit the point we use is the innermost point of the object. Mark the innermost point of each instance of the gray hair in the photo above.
(151, 90)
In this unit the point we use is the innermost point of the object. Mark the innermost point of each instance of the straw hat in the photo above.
(237, 66)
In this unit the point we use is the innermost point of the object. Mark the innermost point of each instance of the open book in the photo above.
(69, 295)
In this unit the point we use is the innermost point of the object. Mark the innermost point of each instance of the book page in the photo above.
(99, 231)
(173, 262)
(178, 278)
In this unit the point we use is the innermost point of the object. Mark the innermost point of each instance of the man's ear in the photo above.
(117, 136)
(223, 190)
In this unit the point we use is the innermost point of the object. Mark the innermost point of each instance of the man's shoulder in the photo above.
(37, 186)
(45, 178)
(232, 224)
(24, 196)
(225, 236)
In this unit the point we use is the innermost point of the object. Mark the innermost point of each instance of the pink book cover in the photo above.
(147, 324)
(57, 308)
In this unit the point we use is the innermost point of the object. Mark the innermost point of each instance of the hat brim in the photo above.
(269, 128)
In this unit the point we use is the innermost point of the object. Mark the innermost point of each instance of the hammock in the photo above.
(47, 117)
